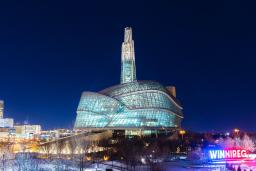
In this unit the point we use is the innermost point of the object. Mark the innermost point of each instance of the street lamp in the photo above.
(182, 132)
(105, 158)
(236, 131)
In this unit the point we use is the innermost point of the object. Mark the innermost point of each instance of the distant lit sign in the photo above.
(228, 154)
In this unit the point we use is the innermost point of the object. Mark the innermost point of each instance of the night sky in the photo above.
(52, 51)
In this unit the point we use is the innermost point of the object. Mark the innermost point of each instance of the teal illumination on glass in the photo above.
(131, 104)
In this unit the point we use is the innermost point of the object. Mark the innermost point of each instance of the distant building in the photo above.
(6, 123)
(131, 105)
(56, 134)
(1, 109)
(7, 127)
(27, 131)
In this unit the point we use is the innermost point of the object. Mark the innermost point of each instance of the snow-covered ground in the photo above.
(66, 165)
(179, 167)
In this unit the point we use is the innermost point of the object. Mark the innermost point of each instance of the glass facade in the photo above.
(138, 104)
(131, 104)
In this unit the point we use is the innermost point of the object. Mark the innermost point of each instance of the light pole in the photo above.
(236, 131)
(182, 132)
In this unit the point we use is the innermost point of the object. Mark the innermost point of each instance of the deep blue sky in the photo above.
(52, 51)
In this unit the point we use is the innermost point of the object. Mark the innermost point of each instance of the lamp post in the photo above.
(236, 131)
(182, 132)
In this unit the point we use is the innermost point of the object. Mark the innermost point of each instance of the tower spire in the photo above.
(128, 68)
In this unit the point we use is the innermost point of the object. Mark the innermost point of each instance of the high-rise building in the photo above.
(1, 109)
(4, 122)
(133, 104)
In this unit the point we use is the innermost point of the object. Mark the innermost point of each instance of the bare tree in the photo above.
(245, 142)
(83, 150)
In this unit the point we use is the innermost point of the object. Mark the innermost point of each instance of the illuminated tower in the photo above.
(128, 69)
(1, 109)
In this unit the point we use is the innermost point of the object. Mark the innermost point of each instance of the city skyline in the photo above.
(50, 57)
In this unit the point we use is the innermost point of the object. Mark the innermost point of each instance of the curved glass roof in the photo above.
(129, 105)
(121, 89)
